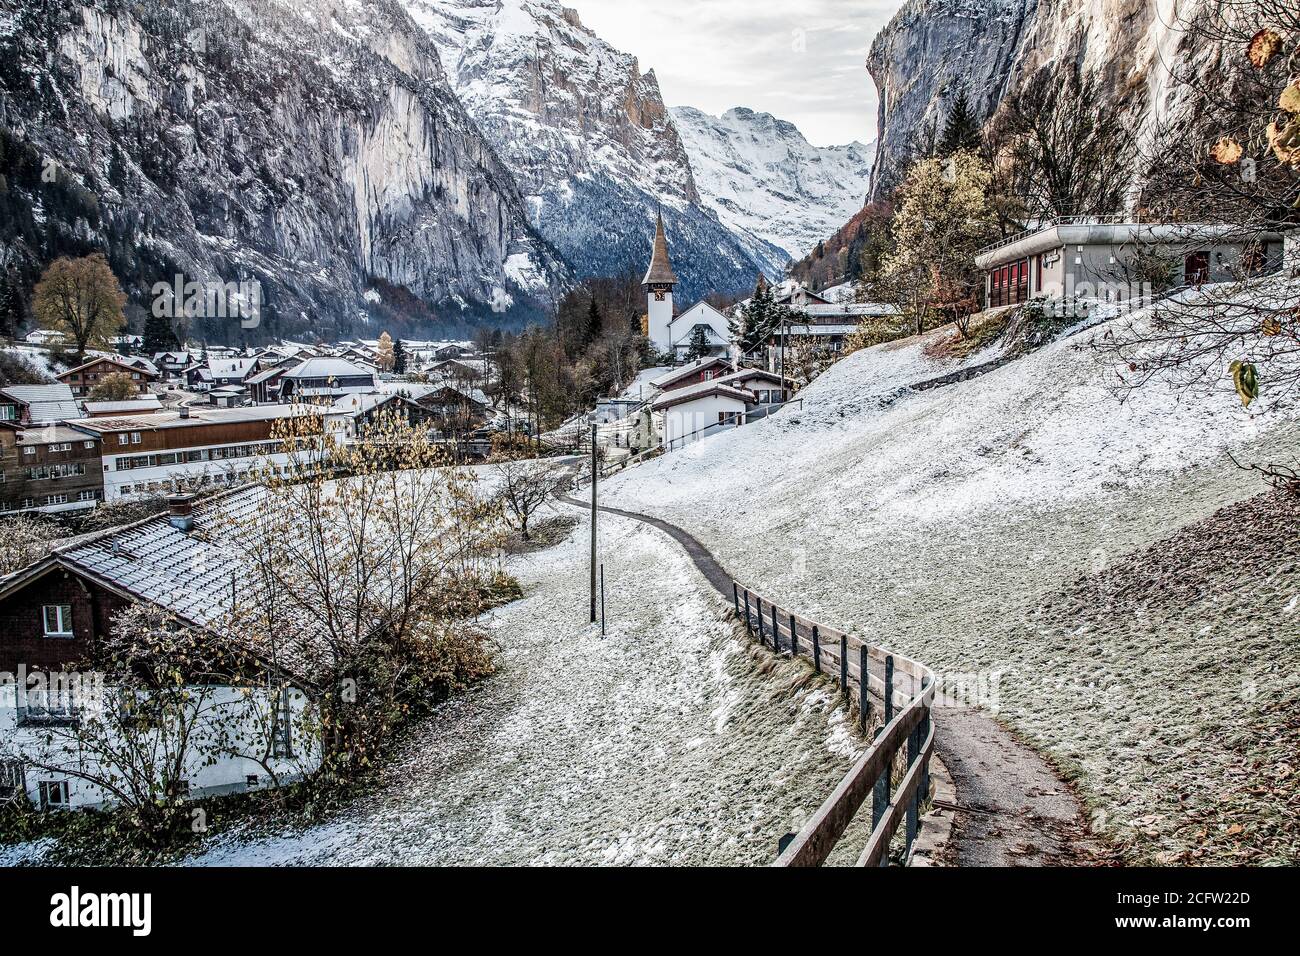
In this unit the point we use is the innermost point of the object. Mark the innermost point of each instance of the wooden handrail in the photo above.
(907, 723)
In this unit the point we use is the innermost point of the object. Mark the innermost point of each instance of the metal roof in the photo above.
(45, 403)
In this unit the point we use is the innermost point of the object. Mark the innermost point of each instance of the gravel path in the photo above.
(1014, 809)
(670, 740)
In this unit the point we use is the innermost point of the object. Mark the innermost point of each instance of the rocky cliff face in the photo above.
(932, 48)
(588, 138)
(764, 180)
(314, 145)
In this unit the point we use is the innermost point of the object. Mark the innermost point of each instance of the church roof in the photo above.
(661, 270)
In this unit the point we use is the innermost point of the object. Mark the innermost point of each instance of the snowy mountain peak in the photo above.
(587, 136)
(765, 180)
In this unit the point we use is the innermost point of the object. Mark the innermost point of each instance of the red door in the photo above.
(1196, 269)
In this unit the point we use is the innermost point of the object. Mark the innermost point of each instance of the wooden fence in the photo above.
(866, 673)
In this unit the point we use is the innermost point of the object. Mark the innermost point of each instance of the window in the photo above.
(124, 439)
(54, 794)
(58, 620)
(88, 444)
(252, 780)
(56, 499)
(87, 495)
(29, 449)
(62, 446)
(8, 413)
(135, 438)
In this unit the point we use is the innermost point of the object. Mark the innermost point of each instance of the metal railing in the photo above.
(1052, 223)
(905, 689)
(730, 420)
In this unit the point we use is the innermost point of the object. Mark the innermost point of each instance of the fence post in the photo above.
(864, 688)
(925, 735)
(758, 613)
(913, 752)
(749, 624)
(735, 597)
(844, 664)
(776, 632)
(889, 688)
(817, 650)
(794, 637)
(880, 795)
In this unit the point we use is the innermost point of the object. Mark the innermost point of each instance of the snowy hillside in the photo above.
(587, 136)
(764, 179)
(947, 522)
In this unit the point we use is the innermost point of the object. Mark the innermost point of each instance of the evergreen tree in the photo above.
(594, 322)
(158, 335)
(399, 357)
(699, 344)
(11, 312)
(961, 130)
(758, 320)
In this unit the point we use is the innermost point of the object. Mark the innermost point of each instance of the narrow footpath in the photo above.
(1012, 808)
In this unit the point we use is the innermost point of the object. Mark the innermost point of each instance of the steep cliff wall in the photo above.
(313, 145)
(934, 48)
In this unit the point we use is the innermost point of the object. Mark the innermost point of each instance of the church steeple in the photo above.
(659, 281)
(661, 269)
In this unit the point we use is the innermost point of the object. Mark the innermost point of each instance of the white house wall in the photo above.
(699, 418)
(230, 712)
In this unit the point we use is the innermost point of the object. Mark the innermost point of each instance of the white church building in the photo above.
(672, 334)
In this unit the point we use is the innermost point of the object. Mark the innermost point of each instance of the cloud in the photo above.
(801, 60)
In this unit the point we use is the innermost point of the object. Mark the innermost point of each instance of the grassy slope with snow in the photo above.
(936, 522)
(669, 740)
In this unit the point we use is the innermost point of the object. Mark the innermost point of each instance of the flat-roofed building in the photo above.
(147, 455)
(1097, 257)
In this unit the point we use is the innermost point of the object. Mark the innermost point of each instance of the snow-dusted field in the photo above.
(663, 742)
(940, 521)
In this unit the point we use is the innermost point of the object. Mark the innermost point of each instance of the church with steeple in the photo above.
(673, 334)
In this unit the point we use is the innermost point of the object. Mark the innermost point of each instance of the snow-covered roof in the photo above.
(117, 360)
(702, 390)
(143, 405)
(45, 403)
(687, 370)
(198, 415)
(190, 574)
(231, 367)
(328, 368)
(48, 435)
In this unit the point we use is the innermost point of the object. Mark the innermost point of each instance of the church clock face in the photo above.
(659, 295)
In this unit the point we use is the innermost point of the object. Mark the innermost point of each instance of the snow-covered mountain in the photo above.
(313, 145)
(765, 180)
(588, 138)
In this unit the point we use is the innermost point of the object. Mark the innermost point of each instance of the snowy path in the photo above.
(1015, 809)
(668, 741)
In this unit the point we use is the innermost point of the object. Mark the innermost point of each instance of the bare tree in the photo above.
(1060, 147)
(1232, 159)
(528, 484)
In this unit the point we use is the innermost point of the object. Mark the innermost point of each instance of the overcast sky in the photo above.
(801, 60)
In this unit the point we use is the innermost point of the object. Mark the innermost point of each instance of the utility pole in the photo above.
(593, 522)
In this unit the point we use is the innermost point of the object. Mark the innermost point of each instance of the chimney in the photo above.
(181, 510)
(184, 411)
